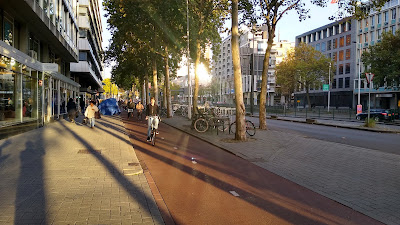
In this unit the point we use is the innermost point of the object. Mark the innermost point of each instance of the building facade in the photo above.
(38, 40)
(252, 52)
(336, 41)
(88, 71)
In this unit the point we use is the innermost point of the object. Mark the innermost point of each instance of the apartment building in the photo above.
(337, 41)
(252, 52)
(38, 40)
(88, 71)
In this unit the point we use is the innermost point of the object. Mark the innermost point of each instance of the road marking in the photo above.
(234, 193)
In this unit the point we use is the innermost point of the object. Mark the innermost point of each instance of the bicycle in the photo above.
(153, 134)
(250, 128)
(204, 120)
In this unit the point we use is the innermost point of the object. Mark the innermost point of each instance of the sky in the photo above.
(288, 27)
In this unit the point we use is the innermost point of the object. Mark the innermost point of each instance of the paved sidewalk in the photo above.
(363, 179)
(67, 173)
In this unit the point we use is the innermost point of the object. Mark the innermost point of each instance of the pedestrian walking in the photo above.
(71, 109)
(90, 113)
(139, 108)
(131, 107)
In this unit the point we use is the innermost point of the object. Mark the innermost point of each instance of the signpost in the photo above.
(369, 77)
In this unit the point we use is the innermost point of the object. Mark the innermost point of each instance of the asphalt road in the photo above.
(385, 142)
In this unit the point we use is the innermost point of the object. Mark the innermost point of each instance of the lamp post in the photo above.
(329, 86)
(188, 64)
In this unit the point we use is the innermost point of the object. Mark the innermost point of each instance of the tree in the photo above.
(237, 74)
(206, 19)
(286, 77)
(305, 66)
(110, 88)
(383, 60)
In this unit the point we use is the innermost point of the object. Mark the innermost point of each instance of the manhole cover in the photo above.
(133, 164)
(87, 151)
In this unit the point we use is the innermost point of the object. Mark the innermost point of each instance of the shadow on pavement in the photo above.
(30, 202)
(114, 172)
(2, 146)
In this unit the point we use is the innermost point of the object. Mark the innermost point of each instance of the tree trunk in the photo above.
(196, 76)
(167, 88)
(143, 87)
(240, 109)
(146, 86)
(308, 97)
(264, 82)
(165, 97)
(155, 79)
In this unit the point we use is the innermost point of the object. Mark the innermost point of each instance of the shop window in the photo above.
(347, 82)
(29, 95)
(341, 55)
(341, 42)
(9, 105)
(348, 54)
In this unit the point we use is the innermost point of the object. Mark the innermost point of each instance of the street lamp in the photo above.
(329, 86)
(359, 71)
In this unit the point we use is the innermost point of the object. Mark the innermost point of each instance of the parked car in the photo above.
(377, 115)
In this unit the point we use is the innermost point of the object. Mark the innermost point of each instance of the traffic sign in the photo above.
(369, 77)
(325, 87)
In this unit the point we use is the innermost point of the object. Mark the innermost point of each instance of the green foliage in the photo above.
(369, 123)
(383, 60)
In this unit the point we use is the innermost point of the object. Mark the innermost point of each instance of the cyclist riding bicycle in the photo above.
(152, 112)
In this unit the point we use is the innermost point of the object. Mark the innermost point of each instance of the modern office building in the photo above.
(344, 41)
(252, 52)
(88, 71)
(337, 41)
(38, 40)
(369, 32)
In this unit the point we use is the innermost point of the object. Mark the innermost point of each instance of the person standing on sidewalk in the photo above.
(71, 109)
(152, 112)
(90, 113)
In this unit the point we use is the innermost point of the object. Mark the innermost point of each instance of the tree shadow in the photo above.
(126, 184)
(30, 202)
(2, 146)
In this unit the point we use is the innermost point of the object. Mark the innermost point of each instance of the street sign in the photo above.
(369, 77)
(325, 87)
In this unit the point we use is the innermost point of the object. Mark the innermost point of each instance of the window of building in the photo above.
(372, 36)
(317, 47)
(325, 34)
(334, 84)
(366, 38)
(340, 83)
(379, 18)
(341, 42)
(386, 29)
(379, 33)
(334, 56)
(82, 56)
(393, 28)
(366, 22)
(8, 31)
(344, 27)
(329, 45)
(330, 31)
(386, 16)
(394, 14)
(347, 54)
(372, 20)
(341, 55)
(335, 43)
(34, 46)
(347, 82)
(323, 46)
(348, 39)
(337, 29)
(340, 72)
(347, 69)
(360, 24)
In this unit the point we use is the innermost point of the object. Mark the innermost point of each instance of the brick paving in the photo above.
(67, 173)
(363, 179)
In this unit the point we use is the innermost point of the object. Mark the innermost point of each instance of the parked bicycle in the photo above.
(204, 120)
(250, 128)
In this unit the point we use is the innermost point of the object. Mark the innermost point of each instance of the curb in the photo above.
(336, 125)
(203, 139)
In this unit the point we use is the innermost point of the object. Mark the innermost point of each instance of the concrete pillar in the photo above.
(24, 39)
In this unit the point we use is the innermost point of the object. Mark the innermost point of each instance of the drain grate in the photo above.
(87, 151)
(133, 164)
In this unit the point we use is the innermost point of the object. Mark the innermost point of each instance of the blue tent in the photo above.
(109, 107)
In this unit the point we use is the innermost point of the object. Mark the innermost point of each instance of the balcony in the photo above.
(83, 67)
(379, 26)
(365, 29)
(393, 21)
